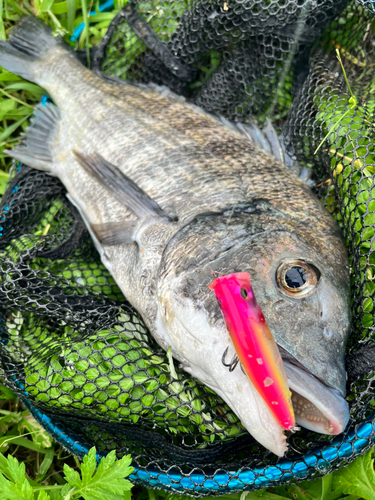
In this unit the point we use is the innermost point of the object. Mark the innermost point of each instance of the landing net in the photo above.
(79, 355)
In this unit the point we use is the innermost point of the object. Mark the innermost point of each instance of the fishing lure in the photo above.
(254, 344)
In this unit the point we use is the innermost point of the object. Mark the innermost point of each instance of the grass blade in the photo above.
(12, 128)
(45, 465)
(2, 29)
(85, 34)
(15, 99)
(21, 441)
(71, 5)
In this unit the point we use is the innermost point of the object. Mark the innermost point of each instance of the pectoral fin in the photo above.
(123, 188)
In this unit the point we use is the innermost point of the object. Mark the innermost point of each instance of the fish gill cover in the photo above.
(75, 350)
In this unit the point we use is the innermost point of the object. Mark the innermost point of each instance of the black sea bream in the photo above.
(170, 195)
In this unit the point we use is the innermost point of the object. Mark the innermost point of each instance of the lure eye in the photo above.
(243, 293)
(297, 279)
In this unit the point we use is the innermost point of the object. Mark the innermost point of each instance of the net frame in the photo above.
(339, 453)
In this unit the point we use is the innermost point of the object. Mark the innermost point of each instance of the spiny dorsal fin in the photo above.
(34, 149)
(124, 189)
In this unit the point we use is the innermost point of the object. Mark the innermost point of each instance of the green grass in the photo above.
(20, 436)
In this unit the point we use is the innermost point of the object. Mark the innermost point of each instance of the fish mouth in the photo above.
(316, 406)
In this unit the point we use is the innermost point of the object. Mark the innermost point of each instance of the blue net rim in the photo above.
(341, 449)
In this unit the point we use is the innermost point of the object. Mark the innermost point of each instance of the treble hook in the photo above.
(232, 365)
(294, 429)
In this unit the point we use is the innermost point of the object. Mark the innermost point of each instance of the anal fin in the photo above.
(34, 149)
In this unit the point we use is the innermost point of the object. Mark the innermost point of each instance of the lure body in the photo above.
(254, 344)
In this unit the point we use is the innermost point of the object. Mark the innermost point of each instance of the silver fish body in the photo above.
(214, 203)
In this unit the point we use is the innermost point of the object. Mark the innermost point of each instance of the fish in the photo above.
(254, 344)
(171, 194)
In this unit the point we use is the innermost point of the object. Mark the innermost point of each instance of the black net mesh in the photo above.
(80, 355)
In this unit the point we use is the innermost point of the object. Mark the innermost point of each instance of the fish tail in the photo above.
(29, 40)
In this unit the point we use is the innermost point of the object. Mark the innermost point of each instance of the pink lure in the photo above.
(254, 344)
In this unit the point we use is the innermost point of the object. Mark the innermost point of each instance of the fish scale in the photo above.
(165, 157)
(214, 203)
(235, 149)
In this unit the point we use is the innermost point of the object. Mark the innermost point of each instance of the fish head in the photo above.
(301, 281)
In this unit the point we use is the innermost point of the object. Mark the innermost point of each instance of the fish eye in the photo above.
(297, 279)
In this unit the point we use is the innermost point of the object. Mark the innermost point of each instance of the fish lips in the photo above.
(317, 407)
(314, 345)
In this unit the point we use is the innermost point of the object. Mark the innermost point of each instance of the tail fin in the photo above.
(29, 40)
